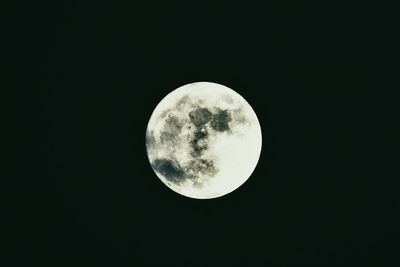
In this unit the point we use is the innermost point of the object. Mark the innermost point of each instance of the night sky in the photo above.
(85, 77)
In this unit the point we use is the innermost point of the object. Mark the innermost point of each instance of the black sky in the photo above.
(85, 78)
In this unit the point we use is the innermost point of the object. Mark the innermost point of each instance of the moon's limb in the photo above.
(198, 134)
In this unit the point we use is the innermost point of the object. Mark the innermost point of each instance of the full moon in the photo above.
(203, 140)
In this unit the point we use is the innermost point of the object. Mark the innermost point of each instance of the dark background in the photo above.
(85, 78)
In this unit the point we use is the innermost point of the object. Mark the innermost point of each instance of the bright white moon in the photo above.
(203, 140)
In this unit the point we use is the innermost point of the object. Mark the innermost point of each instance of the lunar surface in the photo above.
(203, 140)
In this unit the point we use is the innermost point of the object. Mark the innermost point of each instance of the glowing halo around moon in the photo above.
(203, 140)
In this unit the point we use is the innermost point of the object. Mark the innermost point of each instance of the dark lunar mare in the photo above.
(170, 170)
(199, 143)
(220, 120)
(203, 166)
(200, 116)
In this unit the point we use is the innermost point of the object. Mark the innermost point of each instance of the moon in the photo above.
(203, 140)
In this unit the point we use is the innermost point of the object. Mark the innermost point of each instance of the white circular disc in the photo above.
(203, 140)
